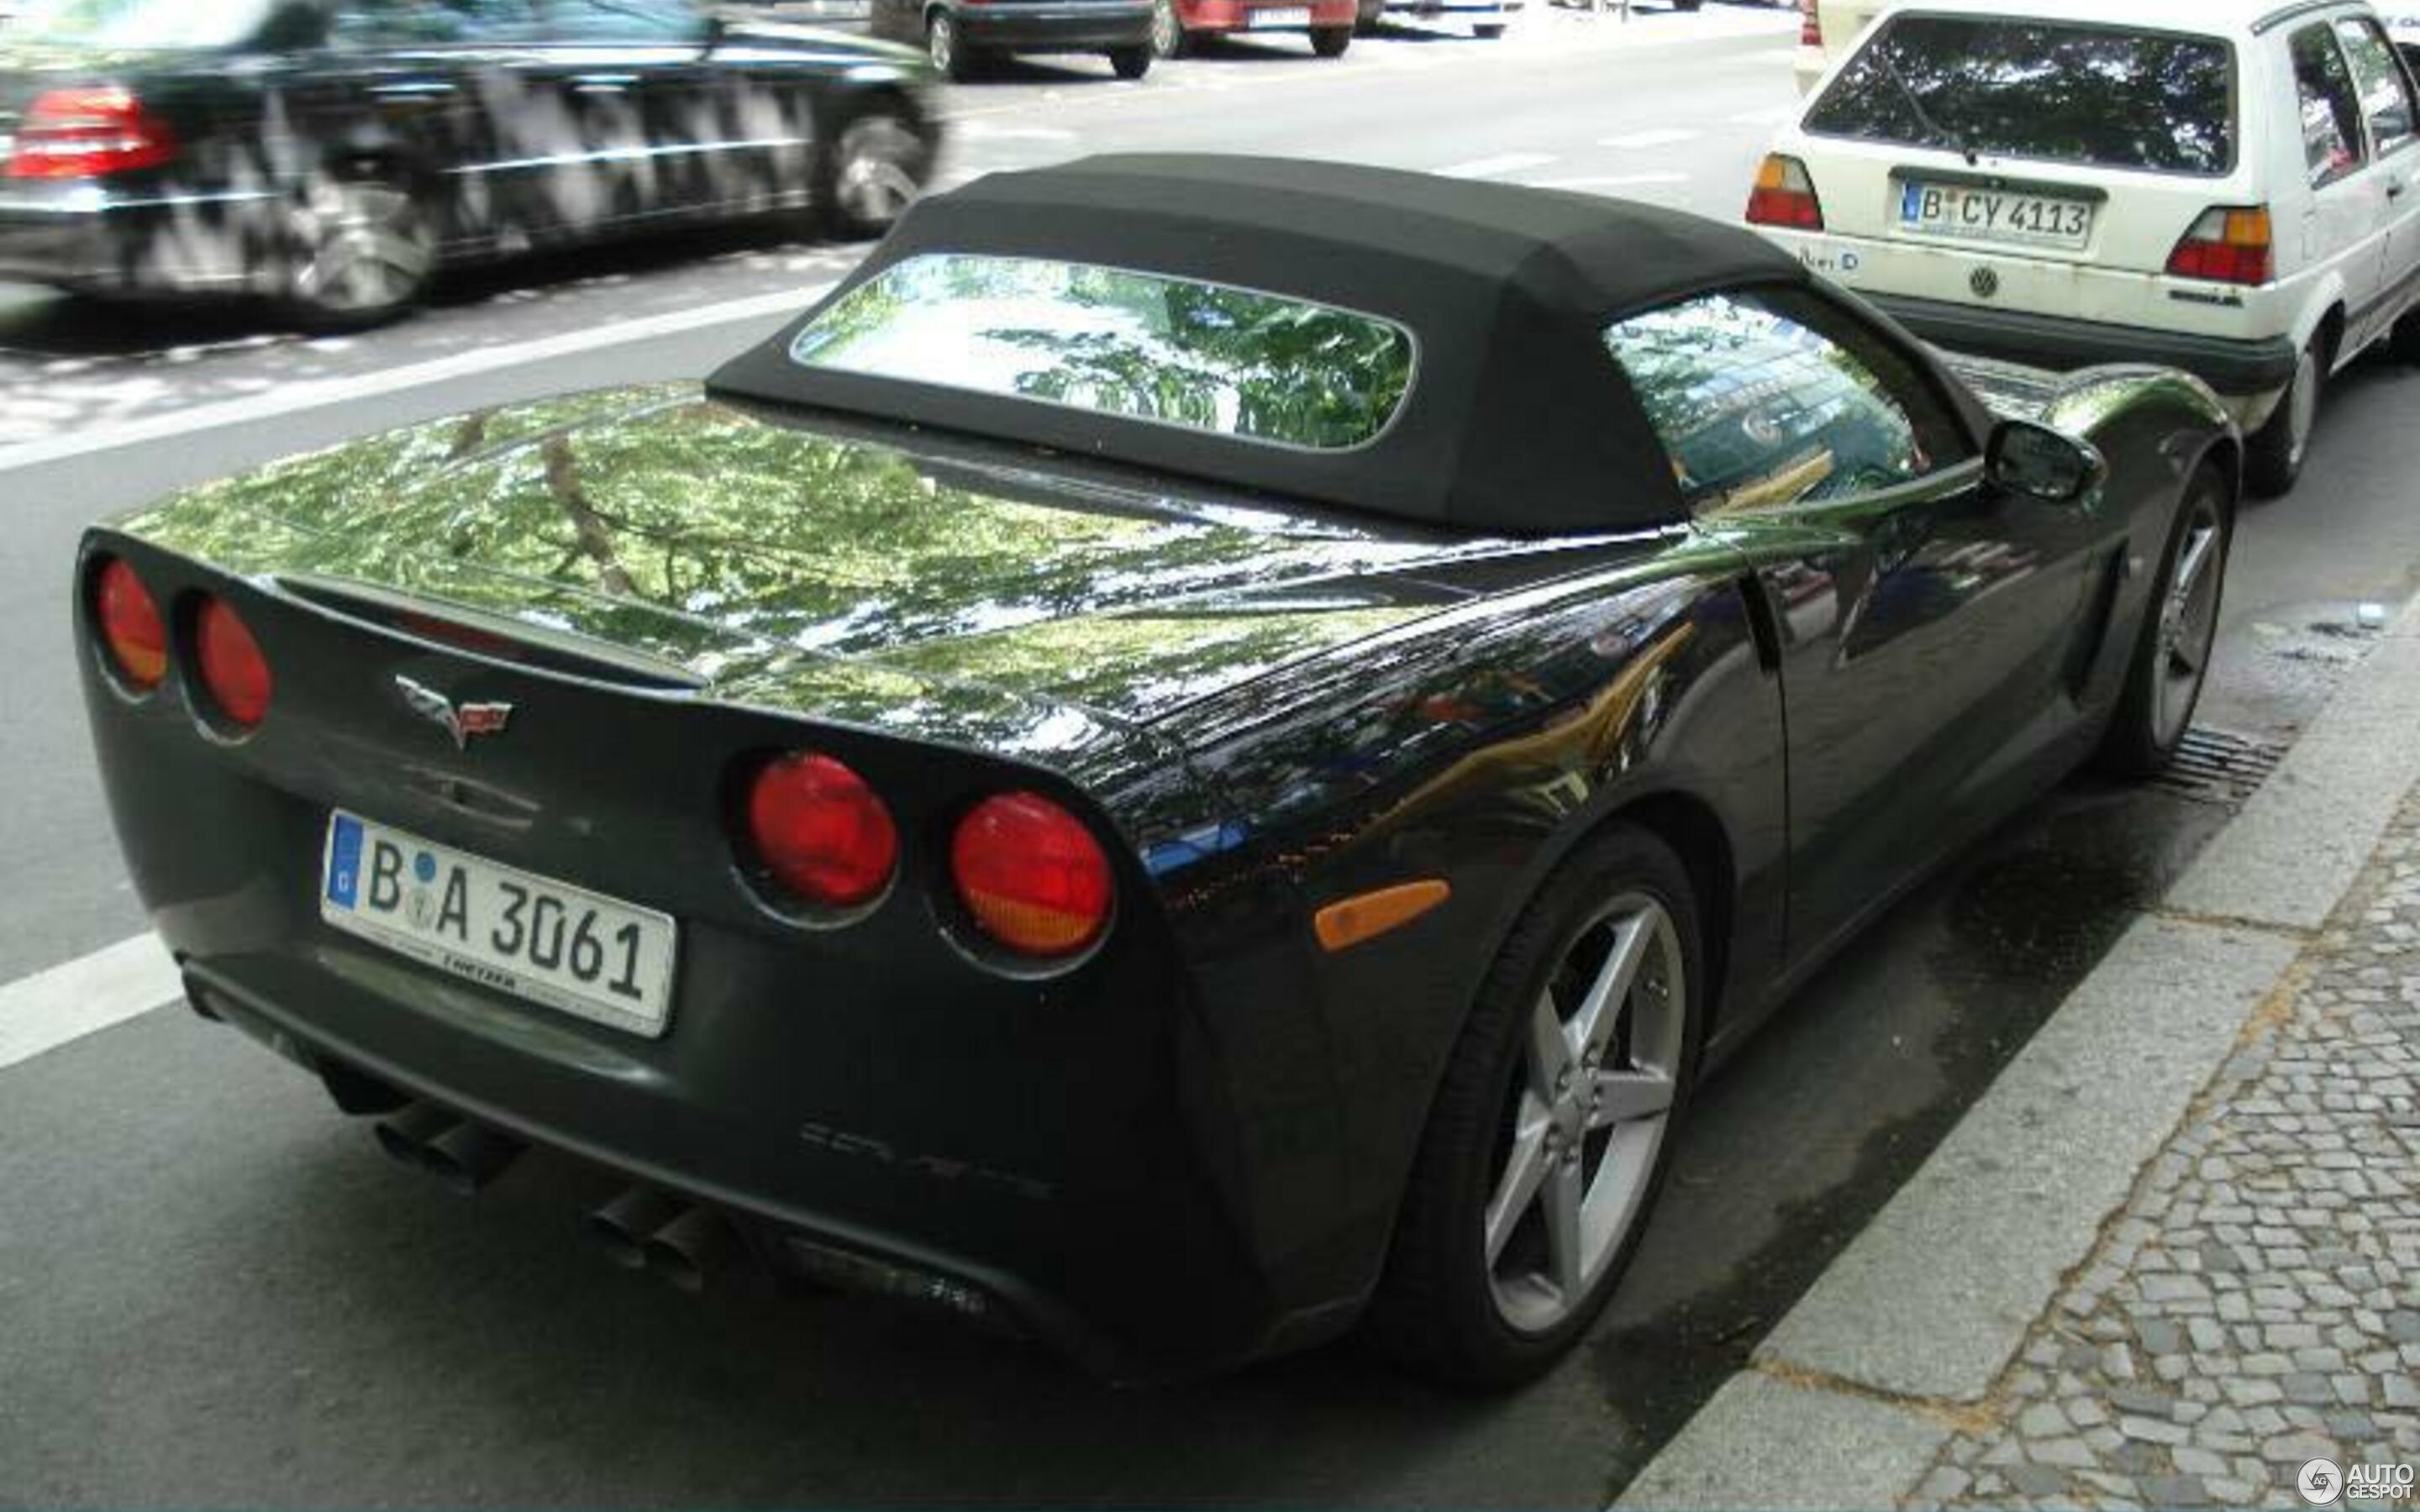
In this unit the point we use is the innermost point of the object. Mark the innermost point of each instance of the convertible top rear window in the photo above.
(2058, 92)
(1176, 351)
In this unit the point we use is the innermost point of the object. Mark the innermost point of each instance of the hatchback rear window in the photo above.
(1176, 351)
(2111, 97)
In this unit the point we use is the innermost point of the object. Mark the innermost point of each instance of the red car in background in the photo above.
(1177, 24)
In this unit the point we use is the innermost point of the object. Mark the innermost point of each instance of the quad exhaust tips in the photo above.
(465, 1156)
(693, 1248)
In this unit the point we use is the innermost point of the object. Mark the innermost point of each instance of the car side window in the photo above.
(2385, 93)
(430, 23)
(1765, 398)
(2331, 107)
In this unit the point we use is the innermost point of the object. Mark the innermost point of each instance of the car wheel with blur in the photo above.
(1369, 17)
(361, 252)
(1131, 62)
(1168, 38)
(1488, 32)
(948, 51)
(1330, 41)
(875, 169)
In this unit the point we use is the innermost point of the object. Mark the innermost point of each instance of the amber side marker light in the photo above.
(1343, 925)
(131, 627)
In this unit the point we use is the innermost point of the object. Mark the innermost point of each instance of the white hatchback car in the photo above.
(2230, 187)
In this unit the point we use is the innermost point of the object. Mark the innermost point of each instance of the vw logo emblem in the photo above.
(1984, 281)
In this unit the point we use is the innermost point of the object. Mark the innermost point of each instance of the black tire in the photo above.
(2274, 454)
(1687, 5)
(1168, 35)
(2157, 707)
(1330, 41)
(948, 51)
(1489, 31)
(874, 167)
(1437, 1311)
(360, 251)
(1131, 62)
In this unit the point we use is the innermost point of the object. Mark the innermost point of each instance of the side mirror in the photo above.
(2037, 462)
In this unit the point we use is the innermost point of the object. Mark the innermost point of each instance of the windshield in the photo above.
(1142, 346)
(2111, 97)
(148, 22)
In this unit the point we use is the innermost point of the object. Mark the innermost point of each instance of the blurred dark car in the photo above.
(330, 154)
(963, 37)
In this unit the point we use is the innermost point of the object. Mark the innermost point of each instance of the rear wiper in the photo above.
(1941, 134)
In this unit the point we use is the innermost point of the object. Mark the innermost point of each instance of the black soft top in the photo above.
(1518, 419)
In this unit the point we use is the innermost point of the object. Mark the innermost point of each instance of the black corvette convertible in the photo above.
(1203, 751)
(332, 157)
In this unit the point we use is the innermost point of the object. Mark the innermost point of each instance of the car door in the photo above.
(664, 127)
(2392, 119)
(2345, 220)
(1931, 628)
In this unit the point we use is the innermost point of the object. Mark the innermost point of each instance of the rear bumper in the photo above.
(1479, 9)
(133, 241)
(1237, 15)
(2239, 370)
(1056, 28)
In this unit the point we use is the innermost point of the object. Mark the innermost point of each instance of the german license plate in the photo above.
(573, 950)
(1281, 16)
(1975, 214)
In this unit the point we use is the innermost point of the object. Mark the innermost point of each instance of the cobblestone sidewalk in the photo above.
(2255, 1304)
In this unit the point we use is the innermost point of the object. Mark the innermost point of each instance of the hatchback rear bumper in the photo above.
(121, 240)
(2254, 370)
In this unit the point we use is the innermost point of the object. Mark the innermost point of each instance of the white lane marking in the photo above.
(1770, 115)
(292, 399)
(1663, 136)
(1492, 167)
(113, 984)
(1620, 181)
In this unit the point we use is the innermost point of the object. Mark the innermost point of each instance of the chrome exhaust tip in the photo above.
(622, 1226)
(406, 1135)
(692, 1250)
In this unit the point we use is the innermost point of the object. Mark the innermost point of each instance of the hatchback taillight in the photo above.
(2227, 246)
(87, 134)
(820, 831)
(130, 625)
(1032, 875)
(232, 667)
(1810, 26)
(1784, 195)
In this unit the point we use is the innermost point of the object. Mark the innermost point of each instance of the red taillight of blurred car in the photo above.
(1810, 26)
(2227, 246)
(130, 625)
(1784, 195)
(87, 133)
(233, 668)
(820, 831)
(1031, 876)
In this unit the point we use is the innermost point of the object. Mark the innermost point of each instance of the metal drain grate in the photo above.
(2219, 765)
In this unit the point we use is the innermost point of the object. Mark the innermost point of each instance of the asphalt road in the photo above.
(213, 1290)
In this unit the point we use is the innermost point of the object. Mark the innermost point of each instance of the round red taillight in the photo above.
(130, 625)
(1032, 875)
(232, 667)
(821, 831)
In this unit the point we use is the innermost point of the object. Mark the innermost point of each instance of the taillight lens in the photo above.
(2227, 246)
(1032, 875)
(232, 667)
(1810, 26)
(83, 133)
(130, 625)
(821, 831)
(1784, 195)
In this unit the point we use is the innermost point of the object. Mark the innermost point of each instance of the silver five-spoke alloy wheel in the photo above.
(2188, 617)
(1594, 1093)
(362, 247)
(1167, 29)
(874, 172)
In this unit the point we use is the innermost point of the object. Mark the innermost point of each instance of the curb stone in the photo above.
(1852, 1396)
